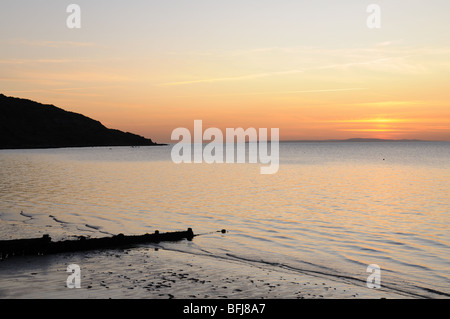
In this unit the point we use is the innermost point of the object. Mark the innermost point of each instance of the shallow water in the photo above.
(332, 209)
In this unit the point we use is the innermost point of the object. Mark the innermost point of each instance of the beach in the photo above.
(149, 272)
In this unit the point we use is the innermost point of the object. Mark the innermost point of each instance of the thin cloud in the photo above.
(375, 64)
(382, 57)
(64, 92)
(275, 93)
(391, 103)
(232, 78)
(386, 120)
(307, 91)
(35, 61)
(377, 130)
(55, 44)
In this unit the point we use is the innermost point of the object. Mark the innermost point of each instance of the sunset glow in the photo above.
(262, 150)
(314, 70)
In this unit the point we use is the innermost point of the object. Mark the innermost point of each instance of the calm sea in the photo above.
(332, 209)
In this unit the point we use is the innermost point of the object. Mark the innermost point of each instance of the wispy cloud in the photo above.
(390, 64)
(64, 92)
(387, 130)
(391, 103)
(54, 44)
(278, 93)
(388, 120)
(68, 89)
(269, 74)
(387, 57)
(60, 78)
(311, 91)
(376, 120)
(35, 61)
(232, 78)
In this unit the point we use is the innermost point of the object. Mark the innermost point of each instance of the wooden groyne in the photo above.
(45, 245)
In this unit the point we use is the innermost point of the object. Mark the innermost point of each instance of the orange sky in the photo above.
(315, 71)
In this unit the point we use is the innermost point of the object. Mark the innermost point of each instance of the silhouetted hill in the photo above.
(28, 124)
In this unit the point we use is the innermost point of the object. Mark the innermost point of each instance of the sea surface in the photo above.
(332, 209)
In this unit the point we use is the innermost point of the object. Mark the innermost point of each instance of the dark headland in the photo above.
(28, 124)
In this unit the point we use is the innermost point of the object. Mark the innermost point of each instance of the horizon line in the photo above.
(350, 140)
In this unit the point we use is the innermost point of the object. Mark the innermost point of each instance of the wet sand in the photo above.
(151, 273)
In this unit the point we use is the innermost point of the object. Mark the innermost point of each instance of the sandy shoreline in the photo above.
(151, 273)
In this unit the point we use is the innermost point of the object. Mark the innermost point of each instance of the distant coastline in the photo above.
(26, 124)
(356, 140)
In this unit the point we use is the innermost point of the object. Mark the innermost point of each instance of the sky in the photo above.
(313, 69)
